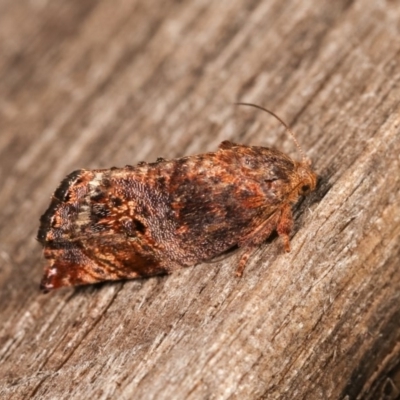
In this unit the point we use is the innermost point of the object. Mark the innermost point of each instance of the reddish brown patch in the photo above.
(155, 218)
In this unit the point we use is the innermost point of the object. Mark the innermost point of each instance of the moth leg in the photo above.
(251, 242)
(243, 260)
(285, 226)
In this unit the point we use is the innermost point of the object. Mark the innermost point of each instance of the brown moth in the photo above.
(155, 218)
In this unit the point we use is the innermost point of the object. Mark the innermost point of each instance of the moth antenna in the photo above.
(282, 122)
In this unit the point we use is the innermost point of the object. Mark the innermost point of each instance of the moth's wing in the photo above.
(229, 194)
(91, 235)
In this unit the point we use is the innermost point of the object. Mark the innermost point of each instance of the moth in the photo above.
(155, 218)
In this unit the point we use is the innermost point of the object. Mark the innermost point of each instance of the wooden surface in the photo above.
(95, 84)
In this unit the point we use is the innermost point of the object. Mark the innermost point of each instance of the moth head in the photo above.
(307, 178)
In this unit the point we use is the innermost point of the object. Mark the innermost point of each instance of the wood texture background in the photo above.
(95, 84)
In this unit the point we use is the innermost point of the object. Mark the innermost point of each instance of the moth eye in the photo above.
(305, 188)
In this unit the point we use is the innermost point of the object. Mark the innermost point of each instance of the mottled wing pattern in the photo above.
(154, 218)
(219, 198)
(89, 234)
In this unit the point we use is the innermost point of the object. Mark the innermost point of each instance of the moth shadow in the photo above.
(324, 185)
(119, 284)
(226, 254)
(236, 249)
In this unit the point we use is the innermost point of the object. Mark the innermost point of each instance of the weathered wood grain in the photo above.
(93, 84)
